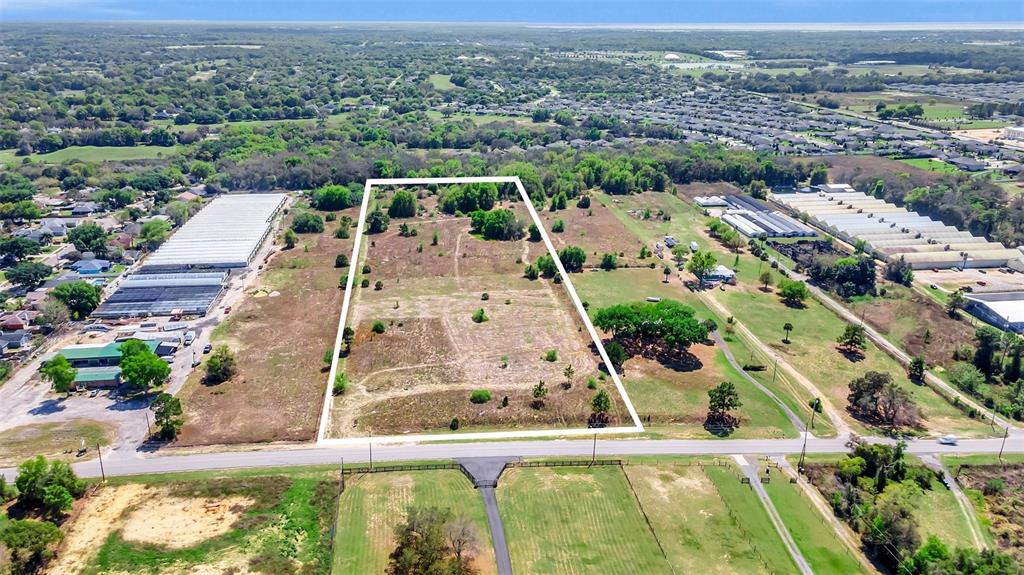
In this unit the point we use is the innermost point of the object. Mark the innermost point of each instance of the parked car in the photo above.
(207, 348)
(949, 440)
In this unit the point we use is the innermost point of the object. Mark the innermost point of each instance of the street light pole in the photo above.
(1006, 433)
(807, 431)
(99, 453)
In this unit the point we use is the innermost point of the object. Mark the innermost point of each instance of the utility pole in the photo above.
(149, 428)
(775, 371)
(593, 453)
(341, 484)
(99, 453)
(371, 451)
(807, 431)
(1006, 433)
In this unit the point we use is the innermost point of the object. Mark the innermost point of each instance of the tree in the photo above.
(341, 261)
(616, 354)
(540, 391)
(200, 169)
(28, 275)
(988, 341)
(700, 264)
(602, 402)
(609, 261)
(37, 474)
(334, 197)
(534, 233)
(722, 399)
(15, 249)
(666, 322)
(819, 175)
(221, 365)
(377, 222)
(57, 500)
(53, 313)
(59, 373)
(853, 339)
(168, 415)
(956, 301)
(153, 233)
(877, 397)
(915, 371)
(499, 224)
(142, 369)
(572, 258)
(667, 272)
(479, 316)
(403, 205)
(787, 327)
(89, 237)
(307, 223)
(80, 297)
(966, 376)
(766, 279)
(340, 384)
(792, 292)
(29, 542)
(432, 542)
(558, 227)
(568, 372)
(290, 239)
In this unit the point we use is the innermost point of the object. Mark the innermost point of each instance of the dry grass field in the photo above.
(278, 333)
(417, 375)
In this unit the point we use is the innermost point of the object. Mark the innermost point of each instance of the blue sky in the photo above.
(538, 11)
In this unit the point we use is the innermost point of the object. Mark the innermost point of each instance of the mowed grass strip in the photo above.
(692, 521)
(754, 524)
(574, 521)
(55, 440)
(813, 535)
(373, 505)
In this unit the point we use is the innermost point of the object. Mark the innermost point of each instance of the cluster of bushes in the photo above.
(501, 224)
(848, 276)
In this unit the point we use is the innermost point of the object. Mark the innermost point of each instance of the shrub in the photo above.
(583, 202)
(591, 383)
(341, 261)
(558, 227)
(221, 365)
(379, 285)
(340, 383)
(551, 355)
(365, 283)
(480, 396)
(454, 425)
(486, 296)
(378, 326)
(366, 269)
(479, 316)
(307, 223)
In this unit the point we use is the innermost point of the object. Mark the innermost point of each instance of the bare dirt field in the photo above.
(179, 522)
(982, 135)
(844, 168)
(691, 191)
(417, 375)
(56, 440)
(1000, 488)
(279, 334)
(596, 230)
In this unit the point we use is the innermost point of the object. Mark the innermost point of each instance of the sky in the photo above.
(532, 11)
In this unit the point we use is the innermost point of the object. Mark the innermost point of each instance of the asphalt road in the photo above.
(121, 464)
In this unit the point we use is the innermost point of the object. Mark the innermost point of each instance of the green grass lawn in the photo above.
(94, 154)
(442, 82)
(813, 535)
(576, 520)
(694, 523)
(939, 514)
(482, 119)
(752, 520)
(676, 400)
(931, 165)
(55, 440)
(374, 504)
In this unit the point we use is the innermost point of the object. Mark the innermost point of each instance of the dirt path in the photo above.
(841, 427)
(793, 418)
(750, 470)
(102, 512)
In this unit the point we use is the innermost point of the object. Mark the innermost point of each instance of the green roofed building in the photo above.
(90, 377)
(92, 355)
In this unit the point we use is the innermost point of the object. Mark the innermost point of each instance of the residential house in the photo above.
(84, 209)
(90, 267)
(14, 340)
(17, 320)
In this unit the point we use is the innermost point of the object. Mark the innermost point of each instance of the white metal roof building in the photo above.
(1004, 310)
(226, 233)
(892, 232)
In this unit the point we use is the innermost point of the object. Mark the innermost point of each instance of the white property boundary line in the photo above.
(325, 416)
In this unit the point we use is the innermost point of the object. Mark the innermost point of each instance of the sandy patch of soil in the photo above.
(100, 516)
(178, 522)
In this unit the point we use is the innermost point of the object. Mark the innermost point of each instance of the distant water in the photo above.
(671, 12)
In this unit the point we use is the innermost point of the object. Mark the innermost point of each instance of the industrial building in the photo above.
(1004, 310)
(754, 219)
(186, 275)
(891, 232)
(226, 233)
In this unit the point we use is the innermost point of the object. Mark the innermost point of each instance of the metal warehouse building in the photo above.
(144, 295)
(187, 274)
(892, 232)
(226, 233)
(1001, 309)
(754, 219)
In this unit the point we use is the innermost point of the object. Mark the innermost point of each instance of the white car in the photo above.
(949, 440)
